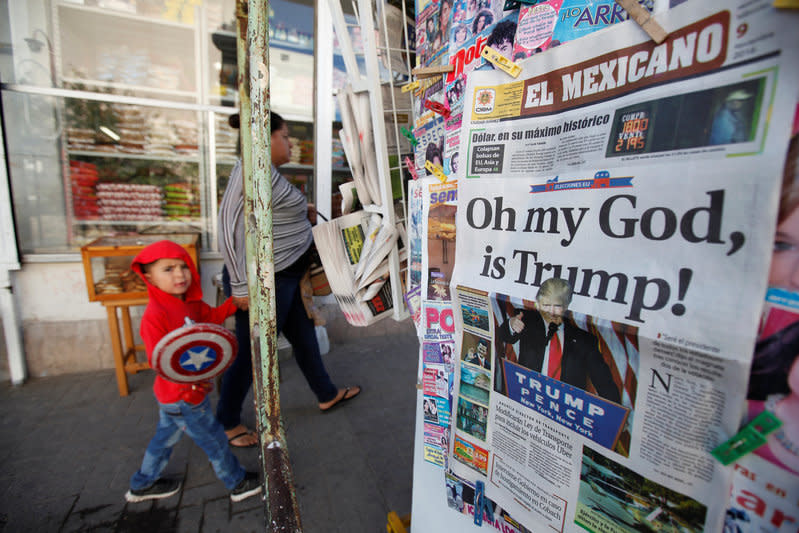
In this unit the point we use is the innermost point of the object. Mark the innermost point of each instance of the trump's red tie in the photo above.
(555, 356)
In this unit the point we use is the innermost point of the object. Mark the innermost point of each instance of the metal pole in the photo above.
(281, 509)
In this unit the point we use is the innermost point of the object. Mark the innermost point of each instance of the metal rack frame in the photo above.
(373, 85)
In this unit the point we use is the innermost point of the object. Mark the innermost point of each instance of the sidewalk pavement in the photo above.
(69, 444)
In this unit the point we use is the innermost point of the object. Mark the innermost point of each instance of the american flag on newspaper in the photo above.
(617, 342)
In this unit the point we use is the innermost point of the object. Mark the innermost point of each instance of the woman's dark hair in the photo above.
(789, 196)
(774, 355)
(487, 15)
(432, 151)
(276, 121)
(503, 31)
(773, 358)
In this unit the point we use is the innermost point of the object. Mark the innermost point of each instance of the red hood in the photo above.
(167, 249)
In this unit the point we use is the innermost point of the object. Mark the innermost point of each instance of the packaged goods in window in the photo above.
(186, 136)
(163, 77)
(161, 138)
(295, 157)
(129, 201)
(226, 137)
(83, 179)
(306, 152)
(128, 6)
(181, 201)
(338, 154)
(80, 138)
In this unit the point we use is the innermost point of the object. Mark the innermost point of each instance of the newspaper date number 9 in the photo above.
(742, 29)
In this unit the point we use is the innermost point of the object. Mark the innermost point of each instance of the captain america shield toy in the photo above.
(196, 352)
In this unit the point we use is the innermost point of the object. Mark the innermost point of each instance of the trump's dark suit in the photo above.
(581, 357)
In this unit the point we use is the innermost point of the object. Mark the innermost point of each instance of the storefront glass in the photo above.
(116, 114)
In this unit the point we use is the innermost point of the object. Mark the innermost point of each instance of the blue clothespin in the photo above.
(479, 497)
(481, 504)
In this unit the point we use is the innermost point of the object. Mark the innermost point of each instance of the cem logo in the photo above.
(484, 101)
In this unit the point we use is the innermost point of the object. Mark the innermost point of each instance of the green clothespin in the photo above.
(751, 437)
(410, 136)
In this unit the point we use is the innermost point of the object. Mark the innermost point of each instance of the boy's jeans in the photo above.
(199, 423)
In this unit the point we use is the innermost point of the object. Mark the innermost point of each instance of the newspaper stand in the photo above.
(106, 265)
(379, 110)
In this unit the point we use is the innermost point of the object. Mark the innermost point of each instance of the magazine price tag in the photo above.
(436, 171)
(501, 62)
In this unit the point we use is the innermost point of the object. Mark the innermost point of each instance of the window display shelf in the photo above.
(99, 84)
(129, 115)
(123, 53)
(296, 166)
(86, 11)
(147, 156)
(161, 222)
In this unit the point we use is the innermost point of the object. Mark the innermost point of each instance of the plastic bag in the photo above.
(321, 338)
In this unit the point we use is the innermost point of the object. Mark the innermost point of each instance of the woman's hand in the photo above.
(242, 302)
(312, 214)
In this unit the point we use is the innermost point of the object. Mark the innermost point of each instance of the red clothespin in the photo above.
(437, 107)
(411, 167)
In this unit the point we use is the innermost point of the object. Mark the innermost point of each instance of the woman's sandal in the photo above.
(344, 397)
(238, 436)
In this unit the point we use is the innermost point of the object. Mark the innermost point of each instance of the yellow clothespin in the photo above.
(410, 86)
(501, 61)
(436, 171)
(644, 19)
(786, 4)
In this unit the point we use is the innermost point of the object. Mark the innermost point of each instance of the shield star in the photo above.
(197, 357)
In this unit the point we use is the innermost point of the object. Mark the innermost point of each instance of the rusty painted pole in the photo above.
(281, 509)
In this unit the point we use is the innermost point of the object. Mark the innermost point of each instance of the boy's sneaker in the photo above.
(249, 486)
(162, 488)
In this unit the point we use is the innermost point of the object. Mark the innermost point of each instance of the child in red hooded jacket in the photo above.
(175, 294)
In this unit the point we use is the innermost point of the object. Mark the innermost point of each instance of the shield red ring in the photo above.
(194, 353)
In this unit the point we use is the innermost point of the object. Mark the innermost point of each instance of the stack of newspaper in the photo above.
(354, 251)
(356, 138)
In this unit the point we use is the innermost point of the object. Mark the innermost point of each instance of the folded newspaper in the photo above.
(354, 250)
(358, 142)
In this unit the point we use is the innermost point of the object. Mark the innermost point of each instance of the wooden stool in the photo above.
(125, 359)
